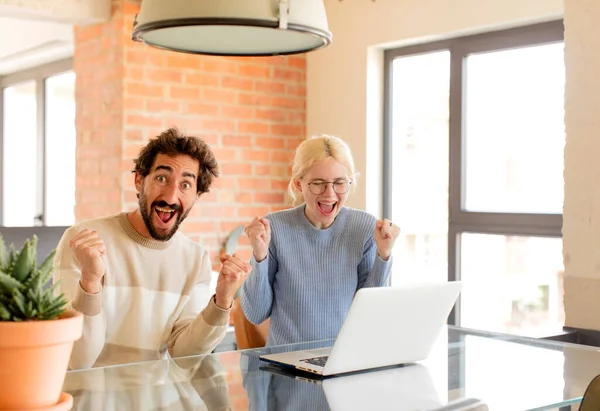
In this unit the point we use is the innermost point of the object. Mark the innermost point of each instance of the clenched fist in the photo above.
(88, 249)
(259, 233)
(385, 236)
(233, 274)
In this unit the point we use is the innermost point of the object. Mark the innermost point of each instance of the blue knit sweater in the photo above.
(308, 280)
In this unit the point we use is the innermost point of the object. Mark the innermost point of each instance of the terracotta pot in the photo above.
(34, 356)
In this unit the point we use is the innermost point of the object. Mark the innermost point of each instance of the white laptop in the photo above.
(385, 326)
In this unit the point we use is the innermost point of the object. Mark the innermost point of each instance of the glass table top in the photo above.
(489, 371)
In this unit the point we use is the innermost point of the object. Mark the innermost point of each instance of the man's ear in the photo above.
(138, 180)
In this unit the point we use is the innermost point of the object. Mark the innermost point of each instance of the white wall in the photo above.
(38, 42)
(80, 12)
(344, 81)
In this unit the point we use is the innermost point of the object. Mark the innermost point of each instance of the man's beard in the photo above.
(147, 217)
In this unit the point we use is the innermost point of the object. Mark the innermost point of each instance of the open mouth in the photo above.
(326, 209)
(164, 214)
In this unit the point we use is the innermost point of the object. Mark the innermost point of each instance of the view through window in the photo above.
(38, 147)
(476, 140)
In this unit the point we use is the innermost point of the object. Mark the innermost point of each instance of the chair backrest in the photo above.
(591, 397)
(248, 335)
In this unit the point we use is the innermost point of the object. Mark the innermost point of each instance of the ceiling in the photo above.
(37, 43)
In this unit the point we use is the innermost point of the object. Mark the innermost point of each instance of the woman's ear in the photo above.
(297, 184)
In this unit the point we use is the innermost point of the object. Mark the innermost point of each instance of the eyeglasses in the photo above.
(318, 187)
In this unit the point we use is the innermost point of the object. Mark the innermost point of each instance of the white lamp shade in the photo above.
(233, 27)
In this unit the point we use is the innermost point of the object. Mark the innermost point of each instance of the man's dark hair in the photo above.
(172, 142)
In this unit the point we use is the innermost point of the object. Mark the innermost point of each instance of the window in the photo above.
(473, 165)
(37, 147)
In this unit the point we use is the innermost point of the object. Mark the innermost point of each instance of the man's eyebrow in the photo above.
(170, 170)
(167, 168)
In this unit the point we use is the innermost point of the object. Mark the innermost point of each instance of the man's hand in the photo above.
(233, 274)
(88, 249)
(259, 234)
(385, 236)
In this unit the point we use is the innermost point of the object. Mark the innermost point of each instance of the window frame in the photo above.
(460, 220)
(39, 75)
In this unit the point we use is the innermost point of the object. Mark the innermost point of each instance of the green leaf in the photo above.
(4, 312)
(33, 251)
(46, 267)
(12, 254)
(23, 264)
(4, 256)
(19, 299)
(9, 283)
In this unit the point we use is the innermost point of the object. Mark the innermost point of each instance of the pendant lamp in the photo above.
(233, 27)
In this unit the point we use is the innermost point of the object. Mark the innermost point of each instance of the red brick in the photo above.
(280, 184)
(186, 93)
(253, 183)
(289, 102)
(226, 196)
(270, 87)
(143, 120)
(251, 212)
(210, 197)
(161, 75)
(219, 95)
(296, 90)
(134, 103)
(217, 211)
(244, 198)
(225, 154)
(253, 70)
(202, 79)
(237, 83)
(297, 61)
(225, 126)
(268, 142)
(293, 75)
(287, 129)
(237, 112)
(271, 114)
(202, 109)
(252, 127)
(269, 198)
(219, 65)
(254, 100)
(225, 183)
(136, 88)
(282, 156)
(257, 155)
(238, 140)
(199, 226)
(237, 169)
(163, 105)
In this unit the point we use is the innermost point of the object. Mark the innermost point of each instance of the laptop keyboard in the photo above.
(319, 361)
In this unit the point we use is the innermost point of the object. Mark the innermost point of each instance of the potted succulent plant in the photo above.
(37, 332)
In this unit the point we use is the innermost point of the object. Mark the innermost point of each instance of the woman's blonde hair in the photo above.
(314, 150)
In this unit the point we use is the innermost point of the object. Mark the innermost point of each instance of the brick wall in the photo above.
(250, 110)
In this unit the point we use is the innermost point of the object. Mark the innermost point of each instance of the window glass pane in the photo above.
(512, 284)
(20, 156)
(420, 166)
(514, 128)
(60, 149)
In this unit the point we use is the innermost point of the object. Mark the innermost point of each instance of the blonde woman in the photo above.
(309, 261)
